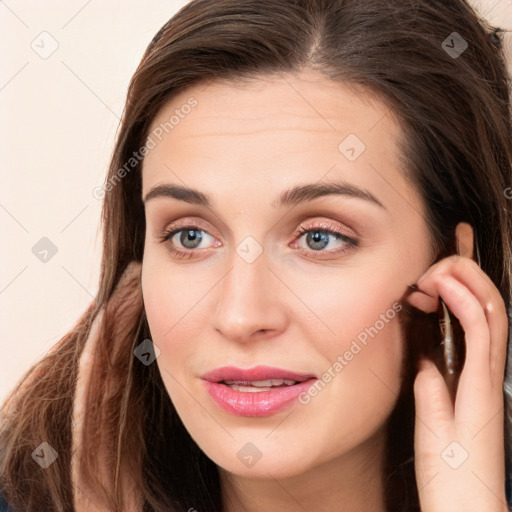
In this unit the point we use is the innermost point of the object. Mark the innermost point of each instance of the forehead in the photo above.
(277, 130)
(286, 100)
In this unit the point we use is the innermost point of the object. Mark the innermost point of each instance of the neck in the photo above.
(351, 482)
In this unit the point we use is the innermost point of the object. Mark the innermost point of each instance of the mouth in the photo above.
(257, 386)
(256, 375)
(259, 391)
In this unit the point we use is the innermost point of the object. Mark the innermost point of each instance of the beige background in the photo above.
(58, 116)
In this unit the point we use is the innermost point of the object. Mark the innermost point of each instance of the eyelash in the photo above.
(321, 227)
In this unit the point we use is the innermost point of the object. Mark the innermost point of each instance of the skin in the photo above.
(271, 139)
(244, 145)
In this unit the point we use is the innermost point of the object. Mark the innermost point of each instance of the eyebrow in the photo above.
(291, 197)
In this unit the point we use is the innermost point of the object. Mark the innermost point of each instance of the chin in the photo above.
(260, 460)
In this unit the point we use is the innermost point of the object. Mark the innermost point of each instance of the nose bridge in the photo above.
(248, 299)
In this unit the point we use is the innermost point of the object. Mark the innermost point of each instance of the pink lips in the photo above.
(257, 403)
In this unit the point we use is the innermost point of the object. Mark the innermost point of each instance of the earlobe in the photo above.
(464, 239)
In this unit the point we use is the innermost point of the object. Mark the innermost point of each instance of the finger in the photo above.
(85, 369)
(434, 420)
(465, 306)
(476, 401)
(423, 301)
(116, 318)
(83, 500)
(481, 286)
(434, 407)
(87, 357)
(460, 263)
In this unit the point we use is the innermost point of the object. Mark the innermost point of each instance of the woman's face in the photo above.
(247, 289)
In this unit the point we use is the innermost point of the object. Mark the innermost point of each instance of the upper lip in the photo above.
(256, 373)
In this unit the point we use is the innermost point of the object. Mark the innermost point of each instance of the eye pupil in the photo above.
(190, 235)
(317, 236)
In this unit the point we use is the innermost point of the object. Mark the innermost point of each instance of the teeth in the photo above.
(265, 385)
(248, 389)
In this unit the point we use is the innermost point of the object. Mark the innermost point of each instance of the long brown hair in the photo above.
(457, 147)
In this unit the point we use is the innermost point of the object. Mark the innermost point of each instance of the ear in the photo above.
(464, 239)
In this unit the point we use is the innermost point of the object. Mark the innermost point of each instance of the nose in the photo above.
(251, 302)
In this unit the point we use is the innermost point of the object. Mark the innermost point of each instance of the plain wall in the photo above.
(58, 117)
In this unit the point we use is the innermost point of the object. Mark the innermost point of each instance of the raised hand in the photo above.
(124, 310)
(459, 449)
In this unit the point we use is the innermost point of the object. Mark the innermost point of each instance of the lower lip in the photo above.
(261, 403)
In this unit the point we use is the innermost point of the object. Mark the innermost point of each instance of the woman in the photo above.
(349, 164)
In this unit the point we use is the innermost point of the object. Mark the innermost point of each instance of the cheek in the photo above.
(168, 293)
(173, 323)
(357, 334)
(362, 350)
(354, 306)
(175, 307)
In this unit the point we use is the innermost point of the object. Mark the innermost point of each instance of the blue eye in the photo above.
(318, 237)
(189, 238)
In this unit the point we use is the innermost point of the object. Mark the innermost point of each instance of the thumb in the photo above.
(431, 394)
(434, 419)
(108, 335)
(82, 499)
